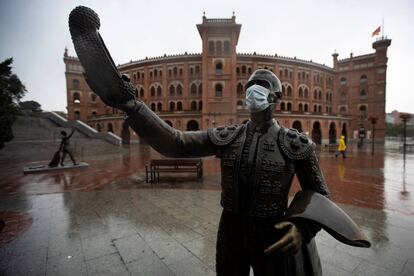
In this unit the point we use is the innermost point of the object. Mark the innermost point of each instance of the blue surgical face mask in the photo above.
(256, 98)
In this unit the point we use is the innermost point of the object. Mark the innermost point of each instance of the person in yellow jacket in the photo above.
(341, 147)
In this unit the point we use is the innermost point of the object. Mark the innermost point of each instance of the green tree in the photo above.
(11, 91)
(32, 106)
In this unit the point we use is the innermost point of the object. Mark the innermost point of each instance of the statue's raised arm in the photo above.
(116, 90)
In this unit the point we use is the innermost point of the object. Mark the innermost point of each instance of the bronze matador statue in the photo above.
(258, 161)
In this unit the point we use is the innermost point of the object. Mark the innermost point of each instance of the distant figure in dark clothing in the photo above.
(64, 147)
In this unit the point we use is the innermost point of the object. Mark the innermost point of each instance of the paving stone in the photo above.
(107, 265)
(26, 262)
(189, 267)
(150, 264)
(71, 264)
(408, 268)
(97, 246)
(132, 248)
(369, 269)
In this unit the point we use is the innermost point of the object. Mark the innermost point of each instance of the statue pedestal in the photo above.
(46, 168)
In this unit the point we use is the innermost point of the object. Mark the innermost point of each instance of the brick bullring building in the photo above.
(200, 91)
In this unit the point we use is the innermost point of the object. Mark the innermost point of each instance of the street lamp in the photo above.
(404, 118)
(373, 121)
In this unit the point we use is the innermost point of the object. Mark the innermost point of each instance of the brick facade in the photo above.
(200, 91)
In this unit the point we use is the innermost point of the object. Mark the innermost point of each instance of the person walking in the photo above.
(341, 147)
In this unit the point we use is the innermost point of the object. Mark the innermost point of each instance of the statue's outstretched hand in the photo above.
(290, 242)
(101, 73)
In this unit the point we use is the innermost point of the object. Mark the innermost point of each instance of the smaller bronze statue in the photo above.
(64, 147)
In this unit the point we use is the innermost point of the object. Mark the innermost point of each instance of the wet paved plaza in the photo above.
(105, 220)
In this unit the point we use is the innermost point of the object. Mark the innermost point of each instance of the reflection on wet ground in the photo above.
(106, 220)
(382, 181)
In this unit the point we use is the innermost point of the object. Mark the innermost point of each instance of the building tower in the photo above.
(219, 39)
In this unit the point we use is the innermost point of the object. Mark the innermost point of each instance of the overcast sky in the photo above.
(35, 34)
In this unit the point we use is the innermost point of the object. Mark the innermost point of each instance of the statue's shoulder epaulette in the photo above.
(295, 145)
(222, 136)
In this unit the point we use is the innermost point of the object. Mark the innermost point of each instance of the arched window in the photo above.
(181, 71)
(191, 71)
(363, 111)
(300, 107)
(226, 47)
(362, 94)
(193, 105)
(219, 68)
(282, 106)
(342, 110)
(343, 96)
(76, 98)
(175, 71)
(239, 104)
(75, 84)
(320, 95)
(219, 90)
(200, 105)
(193, 89)
(200, 89)
(243, 69)
(306, 109)
(141, 92)
(300, 92)
(219, 47)
(110, 127)
(239, 89)
(172, 90)
(197, 69)
(306, 93)
(172, 106)
(289, 107)
(286, 73)
(159, 91)
(179, 106)
(238, 70)
(151, 74)
(249, 70)
(169, 123)
(289, 91)
(363, 79)
(211, 47)
(319, 108)
(315, 108)
(152, 91)
(153, 106)
(155, 73)
(77, 115)
(179, 90)
(343, 81)
(159, 106)
(93, 97)
(94, 114)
